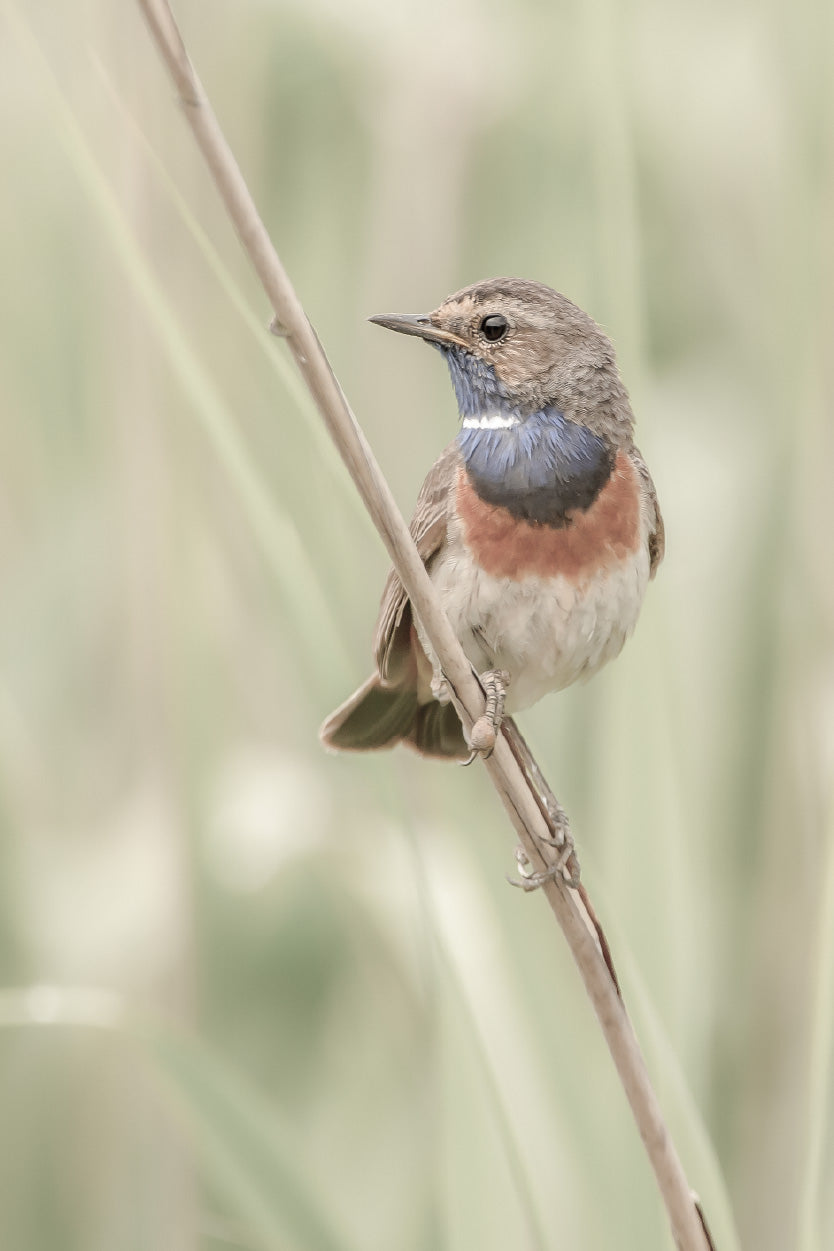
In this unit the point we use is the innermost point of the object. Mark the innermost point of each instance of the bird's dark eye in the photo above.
(494, 327)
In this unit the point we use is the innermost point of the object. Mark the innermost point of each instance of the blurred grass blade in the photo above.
(820, 1093)
(241, 1146)
(280, 363)
(507, 1038)
(695, 1141)
(315, 637)
(229, 1126)
(42, 1005)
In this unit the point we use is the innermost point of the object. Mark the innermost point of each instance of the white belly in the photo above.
(546, 632)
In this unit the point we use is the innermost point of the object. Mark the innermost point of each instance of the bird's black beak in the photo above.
(417, 324)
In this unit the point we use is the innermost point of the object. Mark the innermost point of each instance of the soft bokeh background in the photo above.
(259, 997)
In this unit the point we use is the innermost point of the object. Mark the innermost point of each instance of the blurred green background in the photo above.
(259, 997)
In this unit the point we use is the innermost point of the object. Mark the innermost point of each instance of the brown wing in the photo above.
(392, 642)
(657, 532)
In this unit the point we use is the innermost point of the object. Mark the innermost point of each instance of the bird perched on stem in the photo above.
(538, 524)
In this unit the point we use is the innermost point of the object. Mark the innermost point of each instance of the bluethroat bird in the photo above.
(538, 524)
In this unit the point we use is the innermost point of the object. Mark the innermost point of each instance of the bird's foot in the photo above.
(485, 730)
(560, 838)
(562, 867)
(559, 835)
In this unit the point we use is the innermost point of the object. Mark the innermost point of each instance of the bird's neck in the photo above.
(478, 388)
(541, 467)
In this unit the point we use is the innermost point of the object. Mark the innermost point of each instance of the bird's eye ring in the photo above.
(494, 327)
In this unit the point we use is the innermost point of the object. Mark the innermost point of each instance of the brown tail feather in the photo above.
(437, 731)
(377, 716)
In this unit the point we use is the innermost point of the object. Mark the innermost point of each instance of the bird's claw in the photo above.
(560, 837)
(531, 879)
(566, 864)
(485, 730)
(482, 738)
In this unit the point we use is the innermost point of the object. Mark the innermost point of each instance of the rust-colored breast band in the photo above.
(594, 539)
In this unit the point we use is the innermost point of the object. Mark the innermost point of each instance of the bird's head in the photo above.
(519, 347)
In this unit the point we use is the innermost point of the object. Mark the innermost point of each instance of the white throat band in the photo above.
(490, 421)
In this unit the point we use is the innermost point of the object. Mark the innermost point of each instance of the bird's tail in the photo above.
(378, 716)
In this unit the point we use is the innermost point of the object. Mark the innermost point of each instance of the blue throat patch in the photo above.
(540, 469)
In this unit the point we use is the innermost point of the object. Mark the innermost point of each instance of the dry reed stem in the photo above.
(503, 767)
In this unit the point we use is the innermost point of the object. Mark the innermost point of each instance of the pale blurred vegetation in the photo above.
(261, 997)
